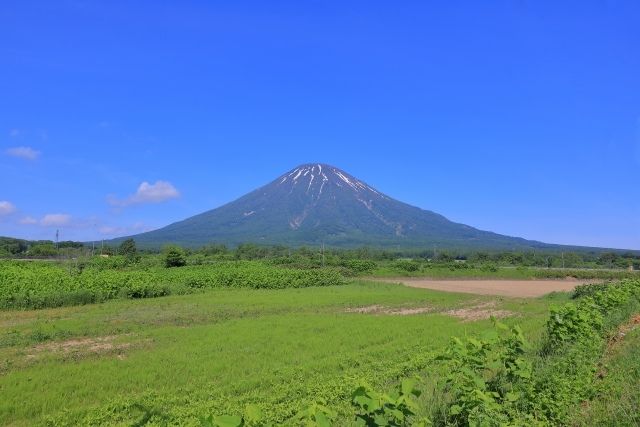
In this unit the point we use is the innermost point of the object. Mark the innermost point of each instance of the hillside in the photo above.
(315, 203)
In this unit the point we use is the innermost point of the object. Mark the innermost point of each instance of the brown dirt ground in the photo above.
(398, 311)
(508, 288)
(468, 313)
(482, 311)
(98, 345)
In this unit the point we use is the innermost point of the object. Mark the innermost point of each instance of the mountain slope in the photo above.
(316, 203)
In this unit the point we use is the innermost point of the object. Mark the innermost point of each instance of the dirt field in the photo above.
(509, 288)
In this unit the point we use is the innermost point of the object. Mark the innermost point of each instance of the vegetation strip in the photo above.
(490, 381)
(41, 285)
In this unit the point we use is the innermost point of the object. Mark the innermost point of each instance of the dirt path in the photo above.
(508, 288)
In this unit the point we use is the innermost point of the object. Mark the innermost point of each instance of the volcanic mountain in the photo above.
(316, 203)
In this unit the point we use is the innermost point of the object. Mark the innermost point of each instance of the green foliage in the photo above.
(174, 256)
(252, 417)
(40, 284)
(359, 265)
(129, 251)
(487, 377)
(394, 409)
(491, 383)
(617, 401)
(43, 250)
(315, 415)
(407, 265)
(588, 289)
(490, 267)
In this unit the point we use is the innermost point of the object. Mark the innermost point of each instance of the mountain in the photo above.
(316, 203)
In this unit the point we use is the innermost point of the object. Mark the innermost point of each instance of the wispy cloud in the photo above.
(6, 208)
(28, 220)
(55, 220)
(159, 192)
(27, 153)
(14, 133)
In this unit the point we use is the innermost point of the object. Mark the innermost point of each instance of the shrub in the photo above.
(174, 256)
(359, 266)
(409, 266)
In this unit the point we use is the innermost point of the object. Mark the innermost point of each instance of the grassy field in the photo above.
(618, 401)
(175, 358)
(134, 343)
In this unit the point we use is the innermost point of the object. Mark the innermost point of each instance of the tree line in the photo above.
(17, 248)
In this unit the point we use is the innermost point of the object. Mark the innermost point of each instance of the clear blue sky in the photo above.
(520, 117)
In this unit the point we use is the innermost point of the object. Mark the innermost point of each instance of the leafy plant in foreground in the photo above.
(252, 417)
(394, 409)
(488, 377)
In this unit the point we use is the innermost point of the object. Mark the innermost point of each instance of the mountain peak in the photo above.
(319, 203)
(317, 177)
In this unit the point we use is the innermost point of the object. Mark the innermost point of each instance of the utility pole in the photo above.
(57, 246)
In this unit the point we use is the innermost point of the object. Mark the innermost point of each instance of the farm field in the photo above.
(179, 357)
(320, 214)
(117, 342)
(503, 287)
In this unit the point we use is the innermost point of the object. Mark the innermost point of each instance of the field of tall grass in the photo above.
(289, 342)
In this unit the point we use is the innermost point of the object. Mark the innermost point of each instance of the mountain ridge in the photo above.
(316, 203)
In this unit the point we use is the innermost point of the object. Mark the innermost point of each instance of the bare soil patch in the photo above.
(469, 313)
(479, 312)
(508, 288)
(96, 345)
(394, 311)
(623, 330)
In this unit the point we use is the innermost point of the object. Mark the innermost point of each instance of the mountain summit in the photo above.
(316, 203)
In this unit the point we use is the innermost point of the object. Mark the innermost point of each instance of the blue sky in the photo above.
(518, 117)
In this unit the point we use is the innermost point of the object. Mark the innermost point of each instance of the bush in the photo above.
(359, 266)
(587, 290)
(409, 266)
(174, 256)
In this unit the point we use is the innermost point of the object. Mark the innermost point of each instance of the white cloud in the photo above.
(27, 153)
(6, 208)
(148, 193)
(27, 220)
(50, 220)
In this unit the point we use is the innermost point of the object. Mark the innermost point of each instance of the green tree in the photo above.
(128, 250)
(43, 250)
(174, 256)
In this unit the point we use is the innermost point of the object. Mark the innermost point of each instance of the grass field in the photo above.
(179, 357)
(138, 344)
(618, 401)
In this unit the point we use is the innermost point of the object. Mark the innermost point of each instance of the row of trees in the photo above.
(173, 256)
(249, 251)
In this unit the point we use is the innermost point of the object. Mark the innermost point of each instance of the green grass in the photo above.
(179, 357)
(618, 400)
